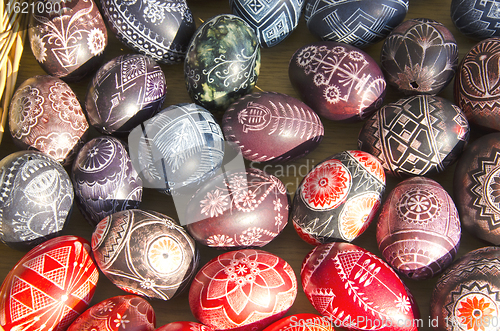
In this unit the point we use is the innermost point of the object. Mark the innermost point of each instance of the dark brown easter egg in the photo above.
(270, 126)
(476, 188)
(338, 81)
(237, 209)
(338, 198)
(67, 38)
(418, 229)
(419, 56)
(124, 312)
(467, 295)
(476, 92)
(44, 114)
(419, 135)
(145, 253)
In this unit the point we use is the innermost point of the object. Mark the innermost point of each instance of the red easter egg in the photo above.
(124, 312)
(242, 290)
(302, 322)
(49, 287)
(184, 326)
(357, 290)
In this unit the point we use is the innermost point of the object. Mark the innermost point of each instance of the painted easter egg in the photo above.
(238, 209)
(270, 126)
(475, 92)
(104, 179)
(159, 30)
(145, 253)
(420, 56)
(242, 290)
(272, 21)
(419, 135)
(466, 296)
(44, 114)
(418, 229)
(477, 19)
(68, 38)
(36, 199)
(476, 188)
(357, 290)
(338, 198)
(178, 148)
(222, 62)
(49, 287)
(359, 23)
(184, 326)
(124, 92)
(338, 81)
(124, 312)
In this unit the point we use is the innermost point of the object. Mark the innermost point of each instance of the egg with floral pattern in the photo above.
(339, 82)
(184, 326)
(222, 62)
(45, 115)
(339, 197)
(238, 209)
(242, 290)
(68, 38)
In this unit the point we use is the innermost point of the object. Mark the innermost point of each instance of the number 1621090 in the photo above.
(33, 7)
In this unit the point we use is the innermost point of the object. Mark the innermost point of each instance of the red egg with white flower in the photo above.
(184, 326)
(357, 290)
(242, 290)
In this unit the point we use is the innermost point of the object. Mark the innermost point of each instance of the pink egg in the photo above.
(50, 286)
(418, 230)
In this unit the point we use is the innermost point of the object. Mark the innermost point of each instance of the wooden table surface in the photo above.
(273, 77)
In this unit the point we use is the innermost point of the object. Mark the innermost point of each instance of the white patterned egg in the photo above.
(36, 199)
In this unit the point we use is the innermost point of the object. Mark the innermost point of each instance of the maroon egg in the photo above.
(124, 312)
(338, 81)
(44, 114)
(184, 326)
(242, 290)
(49, 287)
(357, 290)
(476, 90)
(104, 179)
(419, 56)
(67, 37)
(270, 126)
(476, 188)
(124, 92)
(418, 229)
(338, 198)
(145, 253)
(419, 135)
(237, 209)
(467, 295)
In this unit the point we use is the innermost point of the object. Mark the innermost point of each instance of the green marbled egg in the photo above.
(222, 63)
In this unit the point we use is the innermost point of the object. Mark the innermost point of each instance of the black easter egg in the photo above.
(36, 199)
(104, 179)
(415, 136)
(124, 92)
